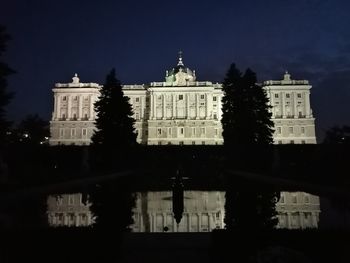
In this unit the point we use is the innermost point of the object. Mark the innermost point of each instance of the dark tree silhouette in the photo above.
(5, 96)
(33, 130)
(112, 140)
(114, 122)
(246, 118)
(247, 128)
(338, 135)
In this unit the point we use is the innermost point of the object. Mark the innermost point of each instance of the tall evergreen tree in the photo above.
(246, 123)
(5, 96)
(246, 118)
(114, 122)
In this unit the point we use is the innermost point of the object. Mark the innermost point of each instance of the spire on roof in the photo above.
(180, 63)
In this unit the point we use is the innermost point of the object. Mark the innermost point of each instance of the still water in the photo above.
(203, 211)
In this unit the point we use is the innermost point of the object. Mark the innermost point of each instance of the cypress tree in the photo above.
(114, 122)
(247, 126)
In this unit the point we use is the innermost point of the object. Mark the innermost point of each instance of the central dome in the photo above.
(180, 74)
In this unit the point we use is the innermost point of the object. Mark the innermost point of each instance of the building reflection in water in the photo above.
(203, 211)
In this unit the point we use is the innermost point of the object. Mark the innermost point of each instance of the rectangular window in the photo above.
(181, 143)
(216, 132)
(61, 132)
(159, 143)
(290, 129)
(303, 130)
(279, 130)
(276, 95)
(306, 198)
(75, 98)
(193, 131)
(137, 116)
(64, 98)
(294, 199)
(203, 131)
(279, 142)
(71, 199)
(137, 99)
(182, 131)
(287, 95)
(159, 131)
(302, 142)
(73, 132)
(181, 97)
(215, 116)
(193, 142)
(84, 132)
(214, 98)
(299, 95)
(203, 142)
(202, 96)
(292, 142)
(282, 199)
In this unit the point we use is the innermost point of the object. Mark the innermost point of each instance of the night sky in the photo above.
(52, 40)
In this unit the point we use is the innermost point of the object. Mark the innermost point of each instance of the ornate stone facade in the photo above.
(180, 110)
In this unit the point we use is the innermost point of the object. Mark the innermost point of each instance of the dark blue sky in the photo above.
(52, 40)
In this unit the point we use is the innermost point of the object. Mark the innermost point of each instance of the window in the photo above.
(302, 141)
(276, 95)
(71, 199)
(75, 98)
(214, 98)
(302, 129)
(279, 142)
(202, 130)
(290, 129)
(215, 116)
(181, 143)
(59, 200)
(203, 142)
(299, 95)
(193, 142)
(279, 130)
(64, 98)
(306, 198)
(216, 132)
(85, 116)
(84, 132)
(137, 116)
(169, 131)
(193, 131)
(181, 97)
(73, 132)
(181, 131)
(159, 131)
(294, 199)
(63, 116)
(292, 142)
(287, 95)
(159, 143)
(202, 96)
(61, 132)
(137, 99)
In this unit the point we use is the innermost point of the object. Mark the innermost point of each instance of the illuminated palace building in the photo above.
(181, 111)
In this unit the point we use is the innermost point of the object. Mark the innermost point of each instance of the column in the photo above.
(283, 105)
(174, 108)
(307, 104)
(164, 110)
(58, 106)
(301, 219)
(69, 103)
(154, 106)
(187, 106)
(207, 112)
(80, 113)
(296, 113)
(197, 106)
(151, 114)
(141, 107)
(219, 107)
(199, 222)
(91, 107)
